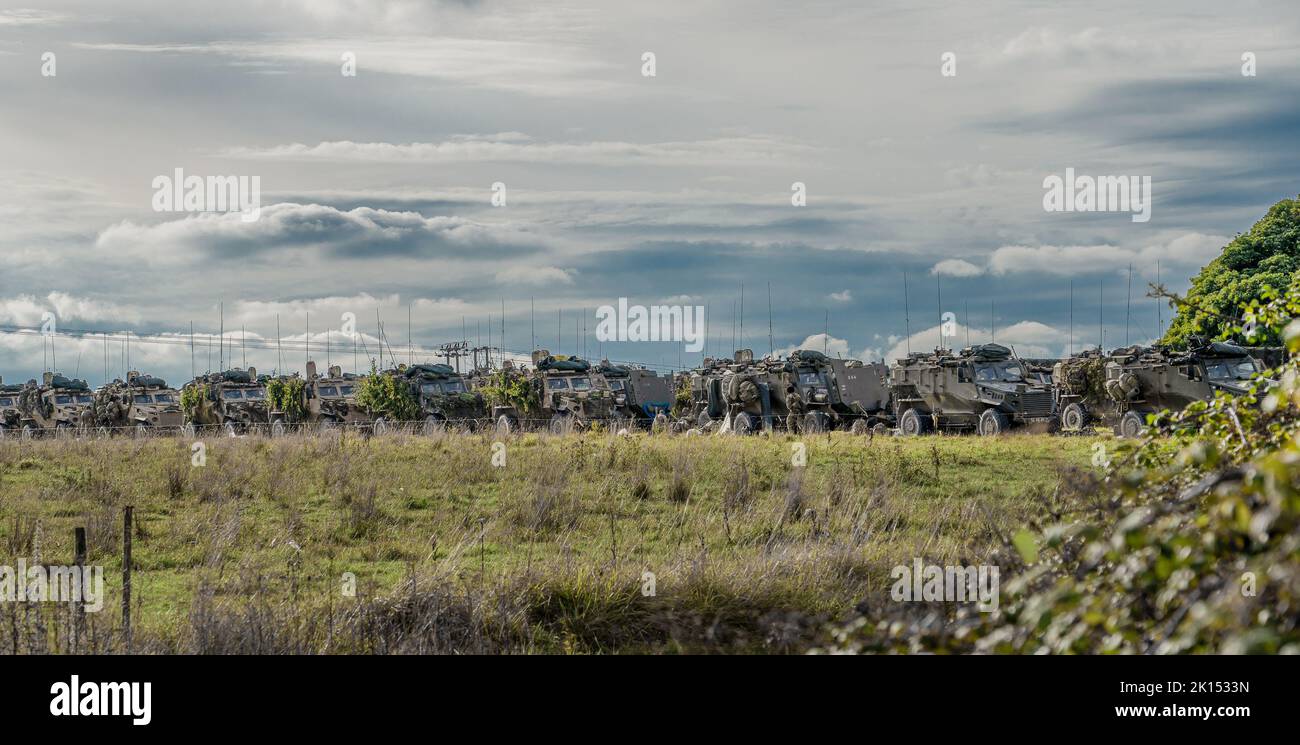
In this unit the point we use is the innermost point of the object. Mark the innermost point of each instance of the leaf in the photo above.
(1024, 542)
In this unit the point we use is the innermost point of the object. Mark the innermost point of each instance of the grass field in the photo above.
(548, 553)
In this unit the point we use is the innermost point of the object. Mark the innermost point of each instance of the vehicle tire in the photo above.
(1074, 418)
(328, 423)
(743, 424)
(380, 426)
(560, 424)
(434, 425)
(278, 428)
(859, 427)
(28, 432)
(228, 429)
(880, 429)
(188, 431)
(992, 423)
(1131, 425)
(703, 420)
(815, 422)
(913, 423)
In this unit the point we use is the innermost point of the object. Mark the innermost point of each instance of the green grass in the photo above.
(546, 554)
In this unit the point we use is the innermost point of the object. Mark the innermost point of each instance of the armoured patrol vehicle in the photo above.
(445, 398)
(822, 393)
(1121, 389)
(983, 388)
(140, 404)
(332, 399)
(58, 405)
(11, 414)
(739, 395)
(641, 396)
(563, 393)
(234, 400)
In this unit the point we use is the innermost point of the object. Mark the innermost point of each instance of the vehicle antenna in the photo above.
(191, 354)
(221, 338)
(279, 348)
(939, 295)
(965, 318)
(907, 316)
(532, 324)
(1160, 314)
(1129, 304)
(1101, 310)
(1070, 343)
(771, 345)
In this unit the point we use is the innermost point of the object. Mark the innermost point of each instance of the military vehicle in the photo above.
(562, 392)
(822, 393)
(234, 400)
(445, 398)
(737, 395)
(59, 404)
(332, 399)
(982, 388)
(641, 396)
(11, 414)
(1119, 390)
(140, 403)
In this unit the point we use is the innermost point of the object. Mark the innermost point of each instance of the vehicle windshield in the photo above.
(143, 398)
(63, 399)
(616, 385)
(430, 389)
(453, 386)
(558, 384)
(811, 379)
(232, 395)
(1238, 369)
(999, 372)
(328, 391)
(345, 390)
(257, 393)
(6, 402)
(582, 384)
(164, 398)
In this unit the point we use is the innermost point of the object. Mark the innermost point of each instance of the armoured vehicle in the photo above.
(738, 395)
(444, 397)
(59, 404)
(822, 393)
(563, 392)
(1119, 390)
(140, 403)
(234, 400)
(640, 395)
(11, 414)
(983, 388)
(332, 398)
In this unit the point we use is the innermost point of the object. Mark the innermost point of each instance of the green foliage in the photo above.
(387, 395)
(1193, 544)
(682, 402)
(288, 395)
(1255, 263)
(194, 401)
(511, 388)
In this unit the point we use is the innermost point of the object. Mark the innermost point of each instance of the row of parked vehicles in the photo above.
(986, 389)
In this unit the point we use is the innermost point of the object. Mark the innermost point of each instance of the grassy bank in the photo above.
(253, 551)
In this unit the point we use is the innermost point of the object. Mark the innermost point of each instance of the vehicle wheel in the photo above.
(859, 427)
(1074, 418)
(28, 432)
(278, 429)
(504, 425)
(434, 425)
(380, 426)
(814, 422)
(3, 431)
(560, 424)
(141, 430)
(992, 422)
(1132, 424)
(188, 430)
(880, 429)
(228, 429)
(913, 423)
(743, 424)
(329, 423)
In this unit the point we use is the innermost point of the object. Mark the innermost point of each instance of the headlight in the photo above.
(620, 400)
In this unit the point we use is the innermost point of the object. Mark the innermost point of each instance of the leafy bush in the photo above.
(387, 395)
(511, 388)
(288, 395)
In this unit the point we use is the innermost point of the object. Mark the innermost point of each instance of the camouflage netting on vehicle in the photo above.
(807, 357)
(197, 404)
(614, 371)
(289, 397)
(1189, 544)
(387, 394)
(1082, 376)
(560, 362)
(430, 371)
(148, 381)
(990, 352)
(70, 384)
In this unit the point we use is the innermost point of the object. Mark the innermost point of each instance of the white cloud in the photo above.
(956, 268)
(1028, 338)
(843, 296)
(27, 310)
(534, 275)
(1186, 251)
(30, 17)
(833, 347)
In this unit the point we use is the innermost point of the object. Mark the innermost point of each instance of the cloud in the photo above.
(833, 346)
(1187, 251)
(27, 310)
(956, 268)
(534, 275)
(360, 233)
(1028, 338)
(30, 17)
(843, 296)
(516, 147)
(1048, 43)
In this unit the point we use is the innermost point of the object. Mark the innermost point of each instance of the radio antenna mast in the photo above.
(907, 315)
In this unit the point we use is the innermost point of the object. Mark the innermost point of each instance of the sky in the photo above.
(922, 134)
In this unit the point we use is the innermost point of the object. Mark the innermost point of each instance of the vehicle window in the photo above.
(143, 398)
(164, 398)
(256, 393)
(558, 384)
(63, 399)
(454, 386)
(345, 390)
(616, 385)
(431, 389)
(999, 372)
(1231, 369)
(328, 391)
(582, 384)
(85, 398)
(6, 402)
(810, 378)
(232, 395)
